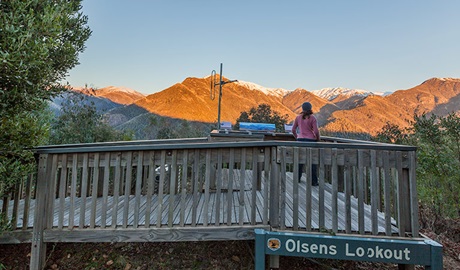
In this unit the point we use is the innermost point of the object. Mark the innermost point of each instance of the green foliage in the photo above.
(391, 133)
(20, 133)
(263, 114)
(438, 158)
(39, 42)
(80, 122)
(167, 128)
(451, 125)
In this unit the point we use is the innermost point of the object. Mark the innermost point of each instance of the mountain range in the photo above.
(337, 109)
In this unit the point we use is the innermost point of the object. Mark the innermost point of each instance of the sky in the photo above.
(378, 46)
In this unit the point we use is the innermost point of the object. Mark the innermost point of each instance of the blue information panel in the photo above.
(387, 250)
(257, 126)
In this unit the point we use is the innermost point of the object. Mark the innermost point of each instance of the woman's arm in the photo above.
(294, 128)
(315, 129)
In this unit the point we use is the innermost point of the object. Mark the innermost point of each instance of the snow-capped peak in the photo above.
(332, 93)
(107, 89)
(120, 89)
(449, 79)
(278, 92)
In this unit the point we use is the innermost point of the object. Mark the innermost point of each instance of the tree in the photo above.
(80, 122)
(167, 128)
(263, 114)
(39, 43)
(438, 159)
(391, 133)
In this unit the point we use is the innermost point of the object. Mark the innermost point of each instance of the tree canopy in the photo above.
(438, 158)
(39, 43)
(80, 122)
(263, 114)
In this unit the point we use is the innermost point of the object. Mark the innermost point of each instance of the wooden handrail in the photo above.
(202, 144)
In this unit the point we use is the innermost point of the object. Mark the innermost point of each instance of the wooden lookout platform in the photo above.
(216, 188)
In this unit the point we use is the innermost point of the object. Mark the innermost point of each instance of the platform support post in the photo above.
(259, 249)
(38, 250)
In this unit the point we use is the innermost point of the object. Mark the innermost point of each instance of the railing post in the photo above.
(38, 252)
(274, 213)
(402, 196)
(406, 203)
(360, 190)
(413, 194)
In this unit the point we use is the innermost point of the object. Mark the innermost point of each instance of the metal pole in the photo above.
(220, 97)
(260, 249)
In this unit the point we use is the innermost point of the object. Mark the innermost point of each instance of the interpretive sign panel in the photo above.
(373, 249)
(225, 125)
(257, 126)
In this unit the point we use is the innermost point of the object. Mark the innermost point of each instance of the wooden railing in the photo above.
(179, 190)
(377, 179)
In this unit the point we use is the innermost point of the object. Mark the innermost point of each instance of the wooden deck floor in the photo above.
(211, 218)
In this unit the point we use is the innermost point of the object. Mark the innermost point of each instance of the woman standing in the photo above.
(308, 132)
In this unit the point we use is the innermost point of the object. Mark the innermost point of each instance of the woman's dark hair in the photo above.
(306, 114)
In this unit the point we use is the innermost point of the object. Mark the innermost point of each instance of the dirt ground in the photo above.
(207, 255)
(191, 255)
(184, 255)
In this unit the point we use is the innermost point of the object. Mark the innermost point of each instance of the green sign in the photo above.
(357, 248)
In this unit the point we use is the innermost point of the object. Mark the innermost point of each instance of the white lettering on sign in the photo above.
(375, 252)
(298, 246)
(378, 253)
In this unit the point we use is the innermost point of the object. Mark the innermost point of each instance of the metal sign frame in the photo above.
(358, 248)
